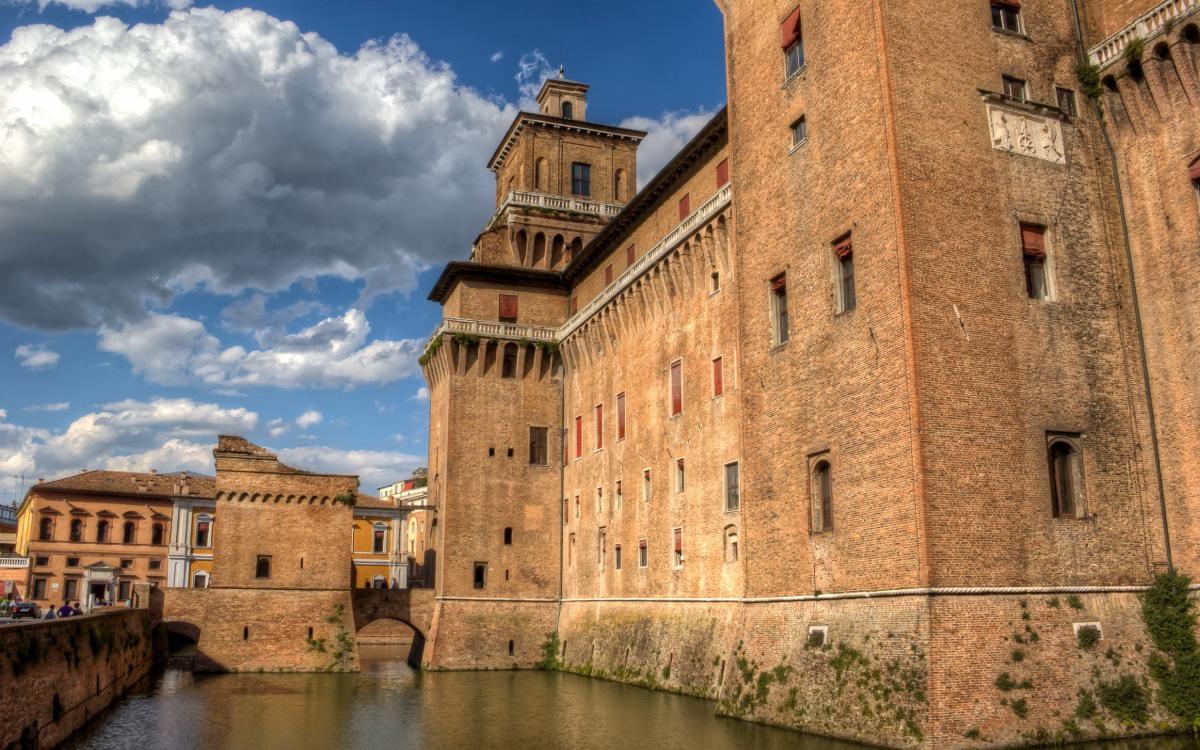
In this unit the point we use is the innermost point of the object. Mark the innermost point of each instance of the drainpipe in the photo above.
(1137, 308)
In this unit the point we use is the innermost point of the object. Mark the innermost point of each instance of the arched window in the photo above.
(1066, 476)
(156, 534)
(557, 248)
(731, 544)
(262, 567)
(540, 177)
(102, 531)
(619, 185)
(509, 369)
(379, 537)
(822, 497)
(538, 259)
(508, 535)
(522, 240)
(204, 531)
(568, 111)
(129, 533)
(46, 529)
(76, 530)
(200, 580)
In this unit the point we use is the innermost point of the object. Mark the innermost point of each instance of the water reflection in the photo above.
(390, 705)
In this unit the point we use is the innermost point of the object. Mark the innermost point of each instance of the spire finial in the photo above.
(562, 73)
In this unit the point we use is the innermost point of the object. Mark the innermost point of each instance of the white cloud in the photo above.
(59, 406)
(36, 356)
(497, 56)
(374, 468)
(91, 6)
(166, 434)
(277, 428)
(332, 353)
(3, 415)
(422, 394)
(532, 71)
(310, 418)
(665, 137)
(226, 151)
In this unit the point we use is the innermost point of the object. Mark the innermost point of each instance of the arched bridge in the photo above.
(411, 606)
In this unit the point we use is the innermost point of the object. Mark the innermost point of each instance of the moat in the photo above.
(389, 705)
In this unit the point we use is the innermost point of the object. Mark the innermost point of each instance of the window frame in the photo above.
(581, 179)
(1073, 441)
(846, 292)
(1014, 13)
(822, 499)
(718, 376)
(1006, 82)
(643, 553)
(378, 539)
(620, 416)
(678, 558)
(539, 445)
(479, 575)
(1063, 92)
(258, 566)
(794, 59)
(680, 474)
(799, 130)
(1031, 262)
(599, 431)
(737, 487)
(731, 551)
(777, 288)
(647, 485)
(676, 385)
(616, 556)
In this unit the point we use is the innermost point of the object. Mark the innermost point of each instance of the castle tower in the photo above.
(559, 180)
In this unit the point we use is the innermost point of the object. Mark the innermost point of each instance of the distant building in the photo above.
(413, 494)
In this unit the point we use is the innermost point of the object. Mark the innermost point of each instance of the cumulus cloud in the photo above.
(226, 151)
(422, 394)
(166, 434)
(36, 356)
(310, 418)
(497, 56)
(277, 428)
(532, 71)
(374, 468)
(91, 6)
(665, 136)
(333, 353)
(58, 406)
(250, 315)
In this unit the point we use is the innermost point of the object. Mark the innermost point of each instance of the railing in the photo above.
(490, 329)
(700, 216)
(493, 329)
(1147, 25)
(13, 561)
(524, 199)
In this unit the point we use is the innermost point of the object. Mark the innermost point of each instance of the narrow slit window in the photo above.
(718, 377)
(676, 388)
(779, 309)
(1066, 476)
(822, 497)
(510, 361)
(1033, 255)
(599, 426)
(677, 556)
(643, 553)
(480, 578)
(579, 437)
(843, 252)
(646, 490)
(620, 416)
(680, 475)
(733, 497)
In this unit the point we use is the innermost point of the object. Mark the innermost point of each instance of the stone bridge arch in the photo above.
(413, 607)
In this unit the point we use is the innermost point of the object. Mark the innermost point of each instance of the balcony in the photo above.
(495, 330)
(13, 561)
(523, 199)
(1147, 26)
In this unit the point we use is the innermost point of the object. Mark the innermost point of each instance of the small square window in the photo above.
(72, 562)
(817, 635)
(155, 564)
(126, 563)
(1006, 15)
(799, 132)
(1015, 89)
(1066, 101)
(41, 561)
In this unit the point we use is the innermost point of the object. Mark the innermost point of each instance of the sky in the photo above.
(226, 218)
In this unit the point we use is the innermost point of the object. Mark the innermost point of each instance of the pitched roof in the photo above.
(134, 483)
(362, 500)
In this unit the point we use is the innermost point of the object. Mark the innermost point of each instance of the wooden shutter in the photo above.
(723, 173)
(599, 425)
(630, 255)
(843, 247)
(1033, 240)
(578, 437)
(508, 306)
(718, 377)
(685, 206)
(620, 416)
(1194, 170)
(790, 31)
(608, 274)
(779, 283)
(676, 388)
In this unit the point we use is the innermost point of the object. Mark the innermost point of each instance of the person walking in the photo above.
(50, 614)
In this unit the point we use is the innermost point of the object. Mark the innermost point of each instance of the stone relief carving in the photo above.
(1027, 134)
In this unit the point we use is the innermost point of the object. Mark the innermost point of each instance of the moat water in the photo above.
(389, 705)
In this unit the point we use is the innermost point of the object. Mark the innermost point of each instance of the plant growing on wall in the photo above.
(1170, 617)
(345, 498)
(550, 649)
(341, 648)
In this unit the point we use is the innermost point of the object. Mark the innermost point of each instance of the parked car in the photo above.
(25, 609)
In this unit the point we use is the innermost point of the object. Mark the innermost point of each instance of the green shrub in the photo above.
(1087, 636)
(1125, 699)
(1020, 707)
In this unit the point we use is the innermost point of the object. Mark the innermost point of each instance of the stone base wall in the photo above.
(247, 630)
(55, 675)
(475, 634)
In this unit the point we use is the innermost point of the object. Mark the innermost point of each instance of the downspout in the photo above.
(562, 485)
(1137, 308)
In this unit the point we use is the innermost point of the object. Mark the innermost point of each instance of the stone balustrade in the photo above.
(13, 561)
(528, 199)
(1148, 25)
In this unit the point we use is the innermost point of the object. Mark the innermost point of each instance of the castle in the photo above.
(873, 413)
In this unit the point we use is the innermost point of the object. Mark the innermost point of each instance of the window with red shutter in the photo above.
(620, 416)
(578, 437)
(718, 377)
(508, 308)
(676, 388)
(722, 173)
(1033, 252)
(599, 426)
(630, 255)
(574, 305)
(678, 548)
(685, 206)
(608, 274)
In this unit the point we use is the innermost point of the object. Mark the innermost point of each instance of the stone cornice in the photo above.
(530, 119)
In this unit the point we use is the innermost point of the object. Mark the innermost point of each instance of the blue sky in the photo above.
(226, 219)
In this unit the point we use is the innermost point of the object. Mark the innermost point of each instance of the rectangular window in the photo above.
(123, 590)
(379, 539)
(617, 556)
(581, 179)
(1015, 89)
(508, 308)
(1066, 101)
(565, 442)
(71, 588)
(601, 547)
(599, 426)
(539, 453)
(574, 304)
(619, 496)
(799, 132)
(1006, 15)
(599, 500)
(1033, 254)
(646, 484)
(677, 558)
(843, 251)
(579, 437)
(41, 561)
(679, 475)
(685, 206)
(722, 173)
(779, 309)
(566, 511)
(792, 43)
(676, 387)
(643, 554)
(718, 377)
(620, 416)
(72, 562)
(126, 563)
(630, 255)
(608, 275)
(577, 508)
(155, 564)
(1065, 458)
(733, 498)
(480, 575)
(39, 588)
